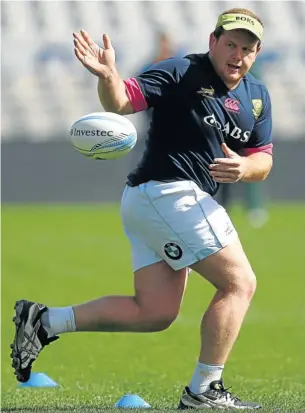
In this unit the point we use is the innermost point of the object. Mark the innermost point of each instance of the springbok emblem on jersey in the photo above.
(257, 107)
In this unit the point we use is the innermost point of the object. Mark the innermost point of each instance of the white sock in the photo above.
(57, 320)
(203, 376)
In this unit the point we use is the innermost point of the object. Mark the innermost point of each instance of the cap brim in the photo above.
(243, 26)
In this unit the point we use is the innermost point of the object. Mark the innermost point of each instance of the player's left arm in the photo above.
(257, 167)
(255, 161)
(233, 168)
(258, 150)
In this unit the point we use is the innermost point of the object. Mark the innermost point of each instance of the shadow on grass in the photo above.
(95, 409)
(80, 409)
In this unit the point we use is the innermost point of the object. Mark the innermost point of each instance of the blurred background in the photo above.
(45, 88)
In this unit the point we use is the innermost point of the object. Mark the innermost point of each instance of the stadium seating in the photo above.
(44, 88)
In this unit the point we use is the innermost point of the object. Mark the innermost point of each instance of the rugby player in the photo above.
(211, 123)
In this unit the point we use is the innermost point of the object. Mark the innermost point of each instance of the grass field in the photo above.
(65, 255)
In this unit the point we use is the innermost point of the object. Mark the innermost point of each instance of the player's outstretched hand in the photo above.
(229, 169)
(99, 61)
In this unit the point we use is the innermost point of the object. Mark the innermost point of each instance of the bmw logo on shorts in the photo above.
(173, 251)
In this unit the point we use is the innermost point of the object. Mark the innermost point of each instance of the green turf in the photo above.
(65, 255)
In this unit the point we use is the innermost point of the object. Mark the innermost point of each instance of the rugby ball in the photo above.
(103, 135)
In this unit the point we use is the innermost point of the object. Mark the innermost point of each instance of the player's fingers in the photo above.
(83, 59)
(79, 55)
(220, 174)
(227, 151)
(227, 161)
(87, 38)
(225, 180)
(223, 167)
(107, 42)
(81, 41)
(79, 47)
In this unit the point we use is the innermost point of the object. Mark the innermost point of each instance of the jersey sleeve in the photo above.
(159, 80)
(261, 136)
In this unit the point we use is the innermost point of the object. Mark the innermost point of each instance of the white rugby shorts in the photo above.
(176, 222)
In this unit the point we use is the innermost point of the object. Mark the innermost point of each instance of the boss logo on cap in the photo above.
(245, 19)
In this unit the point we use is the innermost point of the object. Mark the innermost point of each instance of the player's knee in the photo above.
(162, 323)
(252, 286)
(247, 285)
(242, 285)
(159, 321)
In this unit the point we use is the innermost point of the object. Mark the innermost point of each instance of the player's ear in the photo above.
(258, 46)
(258, 49)
(212, 40)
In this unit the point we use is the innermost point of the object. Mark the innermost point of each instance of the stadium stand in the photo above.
(44, 88)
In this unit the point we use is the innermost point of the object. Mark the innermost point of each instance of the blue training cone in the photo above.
(131, 401)
(39, 380)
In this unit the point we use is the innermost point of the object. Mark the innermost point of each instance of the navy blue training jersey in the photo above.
(193, 112)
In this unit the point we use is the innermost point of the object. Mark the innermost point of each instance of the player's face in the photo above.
(233, 54)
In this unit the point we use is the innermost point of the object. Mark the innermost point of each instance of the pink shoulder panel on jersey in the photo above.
(265, 148)
(135, 94)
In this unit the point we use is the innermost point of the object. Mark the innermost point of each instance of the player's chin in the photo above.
(233, 77)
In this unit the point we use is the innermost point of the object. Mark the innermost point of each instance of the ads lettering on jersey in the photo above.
(234, 131)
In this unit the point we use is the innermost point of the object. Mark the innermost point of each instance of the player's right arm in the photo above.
(101, 62)
(133, 94)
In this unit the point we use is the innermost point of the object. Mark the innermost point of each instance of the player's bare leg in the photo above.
(155, 305)
(230, 272)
